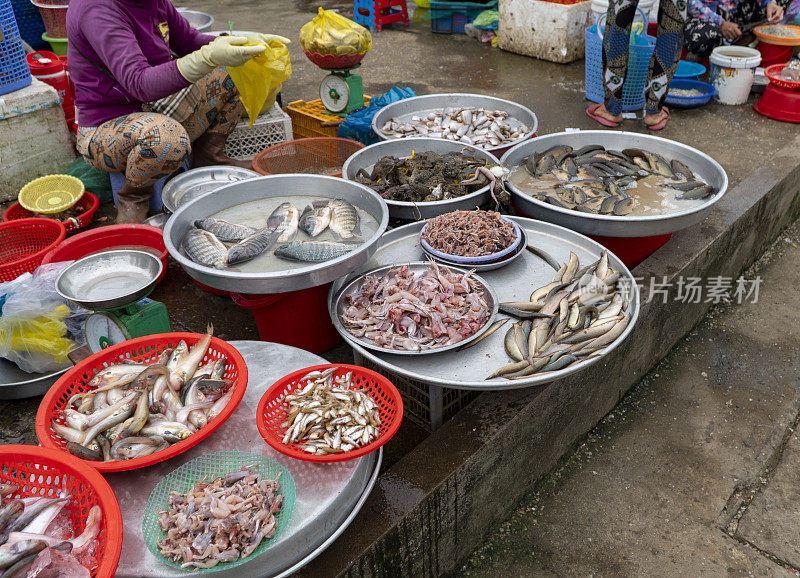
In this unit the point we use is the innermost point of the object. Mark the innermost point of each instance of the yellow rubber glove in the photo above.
(265, 38)
(222, 51)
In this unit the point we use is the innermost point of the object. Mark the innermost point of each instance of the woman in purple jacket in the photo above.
(148, 91)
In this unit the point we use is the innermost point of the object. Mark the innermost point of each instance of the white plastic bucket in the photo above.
(600, 7)
(732, 71)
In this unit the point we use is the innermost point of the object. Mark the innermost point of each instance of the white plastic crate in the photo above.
(269, 129)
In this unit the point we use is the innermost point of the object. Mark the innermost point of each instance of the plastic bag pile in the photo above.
(332, 33)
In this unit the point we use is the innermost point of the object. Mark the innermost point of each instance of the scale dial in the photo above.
(334, 93)
(103, 331)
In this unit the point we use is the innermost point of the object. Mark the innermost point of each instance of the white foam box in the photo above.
(544, 30)
(34, 139)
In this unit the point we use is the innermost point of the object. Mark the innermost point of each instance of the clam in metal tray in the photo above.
(417, 268)
(366, 158)
(195, 183)
(403, 110)
(700, 163)
(271, 187)
(109, 280)
(468, 369)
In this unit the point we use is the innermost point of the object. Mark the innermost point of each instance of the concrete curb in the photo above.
(433, 507)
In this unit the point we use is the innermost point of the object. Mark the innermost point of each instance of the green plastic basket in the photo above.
(206, 468)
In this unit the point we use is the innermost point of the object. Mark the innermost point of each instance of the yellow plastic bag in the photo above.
(332, 33)
(259, 79)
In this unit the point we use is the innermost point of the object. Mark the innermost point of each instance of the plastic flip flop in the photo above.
(591, 113)
(660, 124)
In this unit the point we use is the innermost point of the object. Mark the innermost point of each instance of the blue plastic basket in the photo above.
(689, 70)
(29, 23)
(635, 80)
(452, 17)
(14, 71)
(689, 101)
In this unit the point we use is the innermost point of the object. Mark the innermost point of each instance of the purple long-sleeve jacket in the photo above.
(120, 55)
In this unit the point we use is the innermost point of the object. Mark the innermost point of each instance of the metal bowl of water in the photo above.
(109, 279)
(194, 183)
(271, 187)
(422, 105)
(367, 157)
(700, 163)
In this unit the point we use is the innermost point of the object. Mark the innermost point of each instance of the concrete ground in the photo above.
(694, 472)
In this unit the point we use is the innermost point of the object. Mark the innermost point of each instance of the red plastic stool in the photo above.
(375, 14)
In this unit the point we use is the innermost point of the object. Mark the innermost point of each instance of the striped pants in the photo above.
(671, 21)
(147, 146)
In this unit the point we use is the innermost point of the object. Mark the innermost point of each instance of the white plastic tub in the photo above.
(732, 71)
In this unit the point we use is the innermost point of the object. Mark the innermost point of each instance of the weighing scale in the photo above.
(115, 284)
(341, 92)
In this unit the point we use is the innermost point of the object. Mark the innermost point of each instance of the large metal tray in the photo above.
(468, 369)
(611, 225)
(328, 495)
(368, 156)
(422, 105)
(195, 183)
(355, 284)
(18, 384)
(269, 187)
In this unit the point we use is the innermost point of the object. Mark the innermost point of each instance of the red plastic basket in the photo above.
(87, 205)
(772, 73)
(141, 350)
(24, 244)
(145, 237)
(331, 62)
(272, 412)
(45, 472)
(318, 156)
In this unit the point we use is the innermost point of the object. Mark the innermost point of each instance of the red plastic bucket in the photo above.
(632, 250)
(774, 54)
(298, 318)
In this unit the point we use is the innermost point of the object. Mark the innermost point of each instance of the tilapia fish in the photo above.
(224, 230)
(316, 218)
(253, 245)
(285, 219)
(204, 248)
(313, 251)
(345, 221)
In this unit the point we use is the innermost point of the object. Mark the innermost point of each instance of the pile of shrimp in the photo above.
(469, 233)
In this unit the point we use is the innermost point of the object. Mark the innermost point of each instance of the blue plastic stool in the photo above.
(375, 14)
(14, 71)
(156, 204)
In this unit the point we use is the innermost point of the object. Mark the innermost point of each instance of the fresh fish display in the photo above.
(403, 310)
(580, 313)
(595, 180)
(36, 536)
(344, 222)
(425, 177)
(285, 219)
(315, 219)
(469, 125)
(469, 233)
(313, 251)
(327, 416)
(204, 248)
(253, 245)
(220, 521)
(223, 230)
(134, 414)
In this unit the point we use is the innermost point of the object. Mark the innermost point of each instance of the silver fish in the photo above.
(204, 248)
(253, 246)
(313, 251)
(345, 221)
(173, 432)
(224, 230)
(10, 554)
(315, 219)
(285, 219)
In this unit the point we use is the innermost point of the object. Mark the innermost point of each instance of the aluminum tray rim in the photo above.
(438, 96)
(414, 266)
(499, 384)
(615, 218)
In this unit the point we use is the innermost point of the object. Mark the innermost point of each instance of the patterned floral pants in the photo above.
(702, 36)
(147, 146)
(671, 21)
